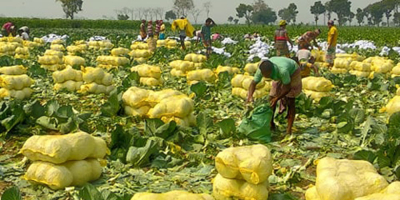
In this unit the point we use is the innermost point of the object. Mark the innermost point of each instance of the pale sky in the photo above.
(97, 9)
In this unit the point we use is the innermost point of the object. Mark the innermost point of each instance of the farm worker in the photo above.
(286, 85)
(198, 36)
(8, 29)
(23, 32)
(281, 38)
(157, 29)
(306, 62)
(162, 30)
(143, 34)
(185, 29)
(206, 35)
(304, 41)
(216, 36)
(150, 29)
(332, 41)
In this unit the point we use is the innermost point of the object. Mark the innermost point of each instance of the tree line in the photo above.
(260, 13)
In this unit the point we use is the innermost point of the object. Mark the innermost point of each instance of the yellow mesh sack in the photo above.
(61, 148)
(251, 163)
(74, 60)
(13, 70)
(251, 68)
(95, 88)
(346, 179)
(15, 82)
(135, 97)
(67, 74)
(224, 188)
(319, 84)
(120, 51)
(158, 96)
(69, 85)
(59, 176)
(173, 106)
(150, 81)
(18, 94)
(230, 70)
(141, 111)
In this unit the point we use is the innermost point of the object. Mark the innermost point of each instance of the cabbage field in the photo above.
(158, 120)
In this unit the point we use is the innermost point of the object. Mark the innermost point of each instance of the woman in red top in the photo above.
(8, 28)
(281, 39)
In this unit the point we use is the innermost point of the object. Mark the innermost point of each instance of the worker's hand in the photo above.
(273, 101)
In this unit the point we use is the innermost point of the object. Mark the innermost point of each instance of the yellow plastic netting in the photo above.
(61, 148)
(172, 195)
(224, 189)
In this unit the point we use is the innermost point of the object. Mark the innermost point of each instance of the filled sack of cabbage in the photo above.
(391, 192)
(136, 111)
(150, 81)
(225, 189)
(49, 60)
(15, 82)
(230, 70)
(251, 163)
(67, 74)
(18, 94)
(95, 88)
(136, 97)
(359, 73)
(206, 75)
(197, 58)
(341, 63)
(392, 106)
(173, 106)
(244, 81)
(96, 75)
(184, 66)
(157, 96)
(73, 60)
(316, 95)
(50, 52)
(338, 70)
(61, 148)
(345, 180)
(140, 53)
(251, 68)
(172, 195)
(319, 84)
(13, 70)
(187, 121)
(145, 70)
(395, 71)
(120, 51)
(361, 66)
(70, 85)
(59, 176)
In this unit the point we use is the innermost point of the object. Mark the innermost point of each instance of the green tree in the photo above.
(341, 8)
(170, 15)
(264, 16)
(351, 17)
(181, 7)
(388, 6)
(122, 17)
(396, 18)
(70, 7)
(375, 12)
(293, 12)
(230, 19)
(245, 11)
(360, 16)
(236, 21)
(284, 14)
(317, 9)
(328, 11)
(259, 5)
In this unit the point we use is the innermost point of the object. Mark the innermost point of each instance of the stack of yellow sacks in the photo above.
(229, 69)
(110, 62)
(14, 82)
(79, 47)
(251, 68)
(195, 76)
(395, 71)
(8, 48)
(60, 161)
(243, 173)
(360, 69)
(347, 180)
(196, 58)
(149, 75)
(37, 42)
(140, 55)
(100, 45)
(317, 87)
(57, 45)
(51, 60)
(73, 60)
(22, 52)
(139, 45)
(241, 83)
(341, 66)
(380, 64)
(391, 192)
(166, 104)
(180, 68)
(96, 81)
(176, 194)
(68, 78)
(171, 43)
